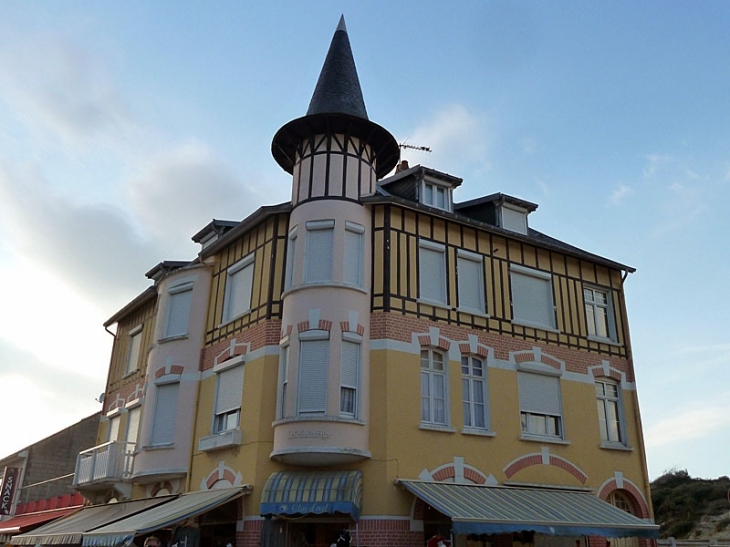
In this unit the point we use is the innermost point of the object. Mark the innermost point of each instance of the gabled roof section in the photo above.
(420, 172)
(213, 230)
(164, 268)
(497, 198)
(338, 88)
(150, 293)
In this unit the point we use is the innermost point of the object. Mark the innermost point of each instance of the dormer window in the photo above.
(513, 218)
(435, 195)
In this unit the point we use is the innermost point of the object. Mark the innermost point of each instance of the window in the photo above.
(290, 258)
(239, 284)
(320, 241)
(540, 409)
(228, 396)
(135, 342)
(473, 390)
(599, 313)
(609, 411)
(514, 219)
(349, 378)
(114, 428)
(432, 272)
(354, 267)
(313, 368)
(178, 310)
(163, 426)
(133, 416)
(283, 380)
(436, 196)
(470, 272)
(433, 387)
(532, 297)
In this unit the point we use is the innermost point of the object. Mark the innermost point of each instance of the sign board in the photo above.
(8, 488)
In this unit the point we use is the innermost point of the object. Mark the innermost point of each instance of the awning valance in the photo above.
(122, 532)
(312, 492)
(70, 529)
(23, 523)
(475, 509)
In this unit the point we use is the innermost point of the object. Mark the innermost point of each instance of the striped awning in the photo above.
(312, 492)
(25, 522)
(475, 509)
(122, 532)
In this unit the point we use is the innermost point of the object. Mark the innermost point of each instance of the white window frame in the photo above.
(283, 378)
(318, 341)
(432, 289)
(474, 386)
(468, 284)
(291, 250)
(318, 262)
(434, 388)
(115, 422)
(541, 416)
(163, 425)
(182, 292)
(592, 307)
(227, 408)
(522, 312)
(135, 350)
(350, 377)
(354, 255)
(515, 220)
(430, 192)
(240, 268)
(612, 428)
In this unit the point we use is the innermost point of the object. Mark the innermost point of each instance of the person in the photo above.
(152, 541)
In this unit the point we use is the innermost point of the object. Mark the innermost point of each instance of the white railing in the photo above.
(113, 460)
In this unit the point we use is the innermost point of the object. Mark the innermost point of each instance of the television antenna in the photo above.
(413, 147)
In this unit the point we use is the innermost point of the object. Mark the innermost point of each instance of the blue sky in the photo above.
(126, 126)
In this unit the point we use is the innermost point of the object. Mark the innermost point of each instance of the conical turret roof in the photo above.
(338, 88)
(337, 106)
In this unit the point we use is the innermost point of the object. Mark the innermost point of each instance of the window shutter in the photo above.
(319, 254)
(239, 293)
(470, 284)
(432, 274)
(114, 428)
(133, 424)
(135, 342)
(513, 220)
(163, 428)
(229, 390)
(532, 299)
(290, 257)
(539, 394)
(350, 364)
(313, 365)
(353, 268)
(177, 319)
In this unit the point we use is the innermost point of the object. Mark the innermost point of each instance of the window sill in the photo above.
(434, 303)
(130, 373)
(172, 338)
(607, 445)
(317, 418)
(437, 427)
(478, 432)
(473, 311)
(542, 439)
(323, 284)
(532, 325)
(218, 441)
(161, 446)
(602, 340)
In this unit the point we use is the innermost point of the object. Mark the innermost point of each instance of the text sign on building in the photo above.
(7, 489)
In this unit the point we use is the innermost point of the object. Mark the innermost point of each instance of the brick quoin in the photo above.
(257, 337)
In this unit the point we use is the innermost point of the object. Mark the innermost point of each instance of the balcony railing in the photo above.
(111, 461)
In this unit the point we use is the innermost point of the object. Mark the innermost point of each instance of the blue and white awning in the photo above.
(475, 509)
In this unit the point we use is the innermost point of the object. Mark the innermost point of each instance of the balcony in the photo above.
(110, 462)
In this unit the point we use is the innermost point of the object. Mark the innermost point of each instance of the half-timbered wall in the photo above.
(267, 241)
(397, 233)
(145, 316)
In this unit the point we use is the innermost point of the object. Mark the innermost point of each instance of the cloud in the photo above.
(654, 162)
(458, 140)
(696, 421)
(93, 247)
(620, 194)
(61, 92)
(180, 191)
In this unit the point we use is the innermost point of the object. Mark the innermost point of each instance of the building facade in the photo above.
(378, 358)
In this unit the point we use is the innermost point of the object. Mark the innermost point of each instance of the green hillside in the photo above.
(691, 508)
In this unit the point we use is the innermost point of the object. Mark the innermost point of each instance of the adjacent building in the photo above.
(372, 356)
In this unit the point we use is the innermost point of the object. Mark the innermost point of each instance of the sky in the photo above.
(125, 127)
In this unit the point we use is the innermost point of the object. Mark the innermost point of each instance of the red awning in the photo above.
(28, 521)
